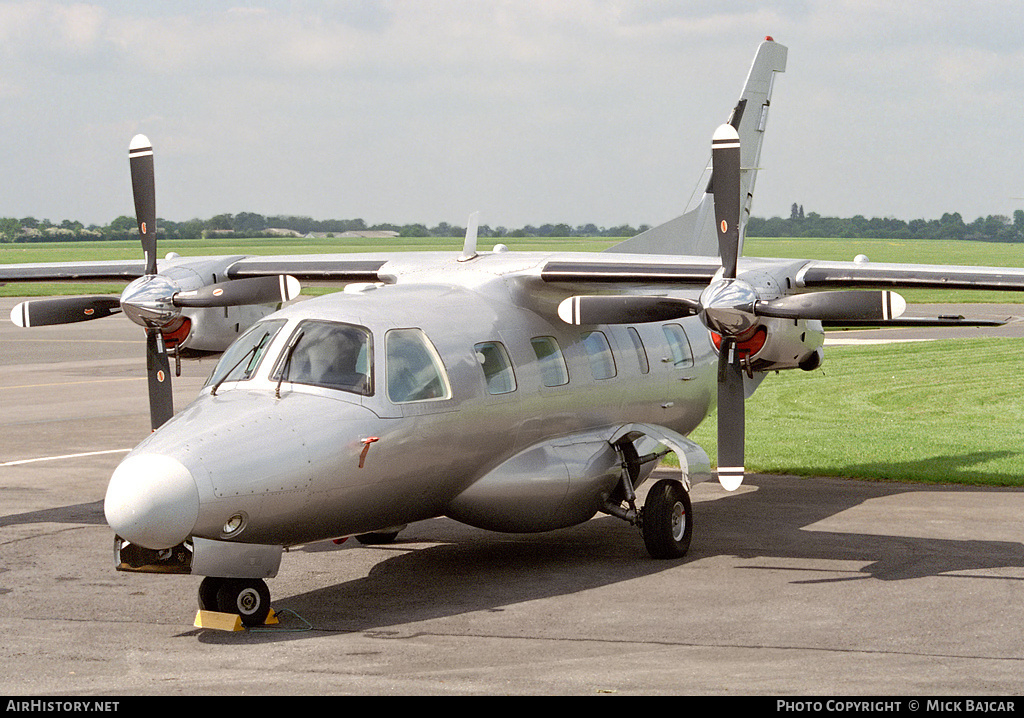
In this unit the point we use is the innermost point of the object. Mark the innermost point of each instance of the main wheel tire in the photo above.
(666, 520)
(249, 598)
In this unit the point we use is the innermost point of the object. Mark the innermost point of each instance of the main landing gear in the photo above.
(666, 519)
(249, 598)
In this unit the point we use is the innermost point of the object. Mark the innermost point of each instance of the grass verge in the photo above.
(932, 412)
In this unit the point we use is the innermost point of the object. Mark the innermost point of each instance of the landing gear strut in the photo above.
(249, 598)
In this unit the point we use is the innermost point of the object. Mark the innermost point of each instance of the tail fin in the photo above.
(693, 233)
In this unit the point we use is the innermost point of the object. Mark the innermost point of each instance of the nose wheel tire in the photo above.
(249, 598)
(666, 520)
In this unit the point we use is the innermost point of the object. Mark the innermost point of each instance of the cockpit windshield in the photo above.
(329, 354)
(243, 357)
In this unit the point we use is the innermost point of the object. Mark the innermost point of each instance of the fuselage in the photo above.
(452, 389)
(301, 458)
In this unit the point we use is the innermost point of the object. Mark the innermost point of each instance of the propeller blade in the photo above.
(835, 306)
(624, 309)
(158, 371)
(731, 418)
(725, 162)
(140, 157)
(258, 290)
(64, 310)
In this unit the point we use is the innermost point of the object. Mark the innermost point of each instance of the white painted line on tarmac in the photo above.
(65, 456)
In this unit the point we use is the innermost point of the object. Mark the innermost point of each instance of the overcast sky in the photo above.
(530, 111)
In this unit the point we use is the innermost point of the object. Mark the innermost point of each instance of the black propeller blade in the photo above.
(140, 157)
(64, 310)
(158, 372)
(835, 306)
(258, 290)
(158, 368)
(731, 417)
(725, 159)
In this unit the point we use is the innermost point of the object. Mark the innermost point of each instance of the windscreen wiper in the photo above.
(255, 348)
(287, 361)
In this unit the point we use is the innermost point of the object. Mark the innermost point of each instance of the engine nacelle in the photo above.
(776, 344)
(772, 344)
(213, 330)
(204, 329)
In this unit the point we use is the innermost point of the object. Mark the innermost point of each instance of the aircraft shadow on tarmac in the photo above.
(463, 570)
(474, 570)
(90, 514)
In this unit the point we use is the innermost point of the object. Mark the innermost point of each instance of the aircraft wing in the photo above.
(787, 277)
(635, 269)
(110, 270)
(859, 275)
(322, 267)
(798, 275)
(326, 267)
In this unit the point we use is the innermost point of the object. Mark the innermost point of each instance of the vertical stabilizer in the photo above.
(693, 233)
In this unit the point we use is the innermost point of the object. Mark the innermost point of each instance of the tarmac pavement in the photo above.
(793, 586)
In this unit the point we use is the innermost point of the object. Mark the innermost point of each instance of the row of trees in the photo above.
(993, 228)
(250, 224)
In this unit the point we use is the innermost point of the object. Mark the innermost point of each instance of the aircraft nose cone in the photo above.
(152, 501)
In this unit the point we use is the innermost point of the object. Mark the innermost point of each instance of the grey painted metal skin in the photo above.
(254, 465)
(534, 459)
(287, 458)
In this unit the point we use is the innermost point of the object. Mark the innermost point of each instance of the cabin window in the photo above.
(414, 368)
(497, 367)
(638, 346)
(329, 354)
(682, 355)
(553, 371)
(602, 364)
(240, 361)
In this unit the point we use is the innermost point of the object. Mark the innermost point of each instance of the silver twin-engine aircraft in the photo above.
(511, 391)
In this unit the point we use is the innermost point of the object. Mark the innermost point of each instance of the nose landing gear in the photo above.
(248, 598)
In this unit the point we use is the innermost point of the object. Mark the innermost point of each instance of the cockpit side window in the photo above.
(414, 369)
(240, 361)
(329, 354)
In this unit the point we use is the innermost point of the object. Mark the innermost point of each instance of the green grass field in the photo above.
(944, 411)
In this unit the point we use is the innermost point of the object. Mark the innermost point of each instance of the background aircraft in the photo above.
(511, 391)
